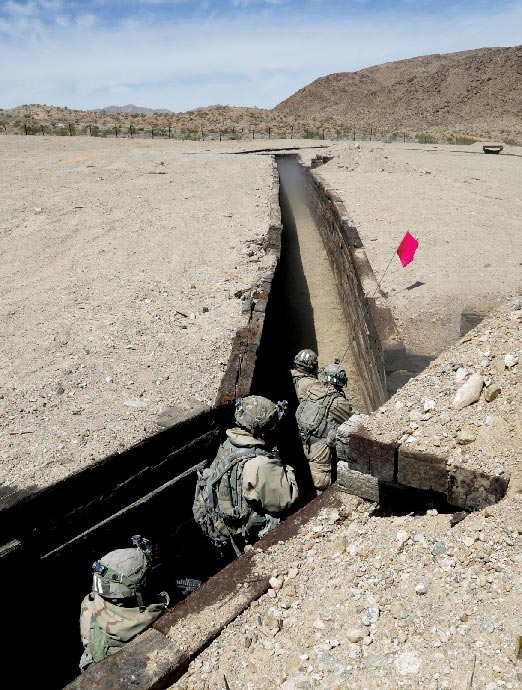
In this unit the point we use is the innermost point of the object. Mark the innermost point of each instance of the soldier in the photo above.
(246, 489)
(304, 372)
(323, 406)
(115, 611)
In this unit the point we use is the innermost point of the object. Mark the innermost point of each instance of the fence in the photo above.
(232, 133)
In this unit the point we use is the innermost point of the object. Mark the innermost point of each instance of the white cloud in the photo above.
(17, 8)
(244, 61)
(85, 20)
(51, 4)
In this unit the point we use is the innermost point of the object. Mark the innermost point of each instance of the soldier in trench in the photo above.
(119, 607)
(322, 408)
(247, 489)
(304, 371)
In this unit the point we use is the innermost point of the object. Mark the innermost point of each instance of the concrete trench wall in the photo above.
(376, 345)
(367, 466)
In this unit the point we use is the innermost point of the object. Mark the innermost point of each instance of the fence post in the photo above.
(169, 131)
(152, 132)
(404, 137)
(90, 131)
(371, 133)
(116, 130)
(253, 134)
(354, 135)
(202, 135)
(323, 134)
(25, 128)
(43, 133)
(70, 130)
(269, 133)
(292, 132)
(130, 131)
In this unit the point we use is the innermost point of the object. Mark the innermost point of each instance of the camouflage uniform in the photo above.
(302, 381)
(320, 451)
(246, 489)
(106, 627)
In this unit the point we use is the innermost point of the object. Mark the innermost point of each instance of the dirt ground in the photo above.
(465, 209)
(121, 261)
(120, 264)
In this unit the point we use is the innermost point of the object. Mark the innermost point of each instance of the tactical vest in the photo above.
(219, 507)
(312, 416)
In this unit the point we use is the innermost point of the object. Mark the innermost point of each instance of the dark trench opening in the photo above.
(289, 325)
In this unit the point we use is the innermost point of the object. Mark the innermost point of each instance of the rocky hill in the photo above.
(130, 108)
(477, 92)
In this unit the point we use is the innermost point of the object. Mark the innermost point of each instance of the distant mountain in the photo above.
(478, 91)
(210, 107)
(131, 109)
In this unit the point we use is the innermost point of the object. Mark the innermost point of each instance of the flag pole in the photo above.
(387, 267)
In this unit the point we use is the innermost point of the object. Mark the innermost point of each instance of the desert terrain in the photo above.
(124, 265)
(123, 268)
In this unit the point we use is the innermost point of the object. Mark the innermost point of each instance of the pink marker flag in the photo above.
(406, 249)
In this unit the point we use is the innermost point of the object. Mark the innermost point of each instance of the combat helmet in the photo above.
(120, 574)
(306, 359)
(334, 374)
(258, 414)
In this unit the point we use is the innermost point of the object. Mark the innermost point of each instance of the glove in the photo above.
(331, 438)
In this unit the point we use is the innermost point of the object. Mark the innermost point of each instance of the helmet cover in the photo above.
(258, 414)
(334, 374)
(120, 573)
(306, 359)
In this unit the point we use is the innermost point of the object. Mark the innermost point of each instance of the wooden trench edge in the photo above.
(237, 379)
(153, 660)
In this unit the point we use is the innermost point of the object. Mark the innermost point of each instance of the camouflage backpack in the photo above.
(219, 506)
(312, 414)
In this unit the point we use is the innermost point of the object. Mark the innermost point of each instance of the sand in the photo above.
(120, 264)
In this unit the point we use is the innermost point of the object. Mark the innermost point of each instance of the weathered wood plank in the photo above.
(357, 483)
(422, 470)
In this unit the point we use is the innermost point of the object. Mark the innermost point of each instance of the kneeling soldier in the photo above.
(322, 408)
(246, 489)
(115, 611)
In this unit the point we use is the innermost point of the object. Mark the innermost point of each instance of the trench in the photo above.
(51, 538)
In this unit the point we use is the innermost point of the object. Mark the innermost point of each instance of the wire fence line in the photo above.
(231, 133)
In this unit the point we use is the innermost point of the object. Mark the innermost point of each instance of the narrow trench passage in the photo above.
(307, 310)
(304, 311)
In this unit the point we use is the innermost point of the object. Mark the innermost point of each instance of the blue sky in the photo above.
(183, 54)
